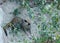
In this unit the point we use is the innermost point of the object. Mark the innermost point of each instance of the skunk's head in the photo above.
(26, 26)
(22, 24)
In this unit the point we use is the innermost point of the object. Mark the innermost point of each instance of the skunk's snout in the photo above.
(28, 23)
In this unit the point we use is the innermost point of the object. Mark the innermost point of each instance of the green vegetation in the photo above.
(48, 18)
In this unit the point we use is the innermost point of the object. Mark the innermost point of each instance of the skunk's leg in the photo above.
(5, 32)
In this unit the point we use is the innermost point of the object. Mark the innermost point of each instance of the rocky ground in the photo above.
(40, 21)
